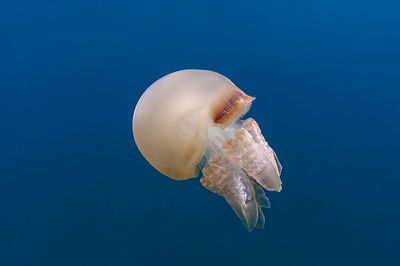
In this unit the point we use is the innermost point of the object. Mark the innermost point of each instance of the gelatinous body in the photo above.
(188, 121)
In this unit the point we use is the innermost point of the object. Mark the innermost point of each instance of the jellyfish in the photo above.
(188, 123)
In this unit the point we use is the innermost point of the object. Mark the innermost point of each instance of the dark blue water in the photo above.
(74, 189)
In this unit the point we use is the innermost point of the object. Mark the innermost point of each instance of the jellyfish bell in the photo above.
(189, 121)
(172, 118)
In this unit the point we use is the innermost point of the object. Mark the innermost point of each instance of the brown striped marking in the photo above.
(236, 105)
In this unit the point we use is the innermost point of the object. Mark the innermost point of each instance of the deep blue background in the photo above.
(74, 189)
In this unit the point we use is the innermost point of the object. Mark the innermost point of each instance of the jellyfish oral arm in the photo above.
(249, 149)
(238, 159)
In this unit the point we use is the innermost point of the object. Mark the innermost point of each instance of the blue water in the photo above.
(74, 189)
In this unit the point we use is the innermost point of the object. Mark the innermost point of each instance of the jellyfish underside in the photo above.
(238, 163)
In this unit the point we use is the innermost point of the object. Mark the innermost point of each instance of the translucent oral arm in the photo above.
(224, 177)
(240, 162)
(249, 149)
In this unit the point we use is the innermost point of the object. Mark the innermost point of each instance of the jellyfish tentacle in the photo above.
(262, 199)
(252, 127)
(240, 164)
(261, 219)
(249, 149)
(223, 177)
